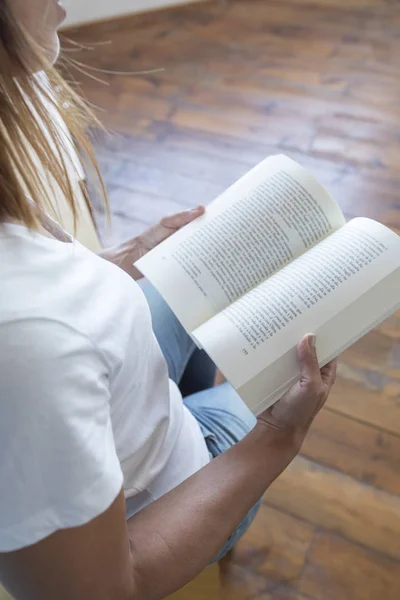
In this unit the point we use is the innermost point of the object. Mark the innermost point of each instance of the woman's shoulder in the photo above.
(46, 361)
(48, 284)
(65, 294)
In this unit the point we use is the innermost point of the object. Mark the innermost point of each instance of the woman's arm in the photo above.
(187, 527)
(161, 548)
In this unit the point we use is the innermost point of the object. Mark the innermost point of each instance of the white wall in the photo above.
(82, 11)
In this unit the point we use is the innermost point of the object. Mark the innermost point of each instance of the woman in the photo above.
(112, 487)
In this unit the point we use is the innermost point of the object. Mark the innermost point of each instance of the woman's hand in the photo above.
(293, 414)
(126, 254)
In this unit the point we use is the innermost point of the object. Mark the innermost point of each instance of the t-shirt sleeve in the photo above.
(58, 462)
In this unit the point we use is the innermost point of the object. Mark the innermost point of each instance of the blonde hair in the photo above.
(30, 98)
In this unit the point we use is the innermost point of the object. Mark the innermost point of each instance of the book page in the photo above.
(269, 217)
(333, 337)
(265, 325)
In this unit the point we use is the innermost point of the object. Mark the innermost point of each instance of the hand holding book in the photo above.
(293, 414)
(272, 259)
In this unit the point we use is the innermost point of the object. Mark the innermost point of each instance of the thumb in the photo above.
(183, 218)
(307, 355)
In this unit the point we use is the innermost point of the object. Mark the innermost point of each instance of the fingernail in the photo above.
(312, 340)
(195, 210)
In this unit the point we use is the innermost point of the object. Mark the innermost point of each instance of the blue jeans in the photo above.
(223, 417)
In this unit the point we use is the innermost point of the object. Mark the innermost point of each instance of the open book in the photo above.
(271, 260)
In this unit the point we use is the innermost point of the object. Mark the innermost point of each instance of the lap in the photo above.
(176, 346)
(222, 415)
(190, 368)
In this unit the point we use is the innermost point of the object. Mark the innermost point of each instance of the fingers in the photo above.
(167, 226)
(181, 219)
(328, 373)
(307, 355)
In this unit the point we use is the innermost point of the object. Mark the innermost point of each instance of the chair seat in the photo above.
(205, 586)
(4, 595)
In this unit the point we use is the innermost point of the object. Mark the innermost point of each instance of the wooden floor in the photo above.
(321, 83)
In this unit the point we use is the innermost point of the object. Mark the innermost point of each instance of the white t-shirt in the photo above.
(85, 402)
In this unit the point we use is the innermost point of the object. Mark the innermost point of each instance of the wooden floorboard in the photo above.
(339, 503)
(275, 546)
(339, 570)
(320, 81)
(355, 448)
